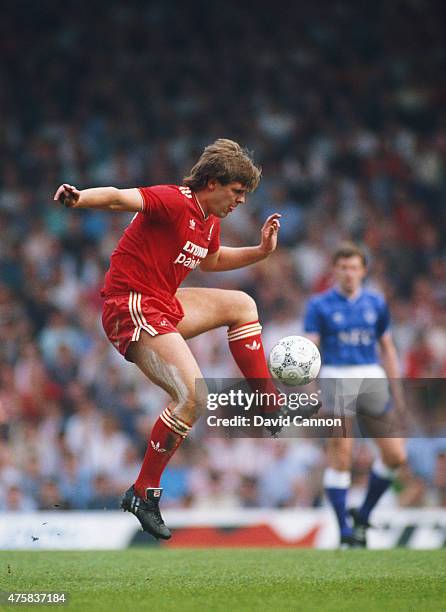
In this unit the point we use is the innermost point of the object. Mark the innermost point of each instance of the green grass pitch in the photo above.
(231, 579)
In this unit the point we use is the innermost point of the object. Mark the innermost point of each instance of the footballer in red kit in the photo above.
(164, 242)
(148, 317)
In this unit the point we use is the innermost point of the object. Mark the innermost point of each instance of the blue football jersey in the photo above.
(349, 328)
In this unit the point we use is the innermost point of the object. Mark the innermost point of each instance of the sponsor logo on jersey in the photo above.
(356, 337)
(194, 249)
(164, 323)
(187, 262)
(197, 251)
(338, 317)
(191, 224)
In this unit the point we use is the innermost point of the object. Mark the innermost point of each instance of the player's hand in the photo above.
(67, 195)
(269, 233)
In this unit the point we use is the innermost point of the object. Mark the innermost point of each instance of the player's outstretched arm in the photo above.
(99, 198)
(228, 258)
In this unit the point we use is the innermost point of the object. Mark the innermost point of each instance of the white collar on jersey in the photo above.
(198, 202)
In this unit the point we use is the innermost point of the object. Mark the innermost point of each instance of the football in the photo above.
(295, 360)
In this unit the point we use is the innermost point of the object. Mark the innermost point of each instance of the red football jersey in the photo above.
(162, 244)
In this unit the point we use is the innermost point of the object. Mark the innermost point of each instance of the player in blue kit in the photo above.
(351, 326)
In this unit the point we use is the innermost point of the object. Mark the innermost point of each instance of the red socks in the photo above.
(167, 434)
(245, 344)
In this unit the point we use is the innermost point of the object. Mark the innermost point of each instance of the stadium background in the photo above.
(343, 105)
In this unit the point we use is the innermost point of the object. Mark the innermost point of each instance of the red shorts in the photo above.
(125, 316)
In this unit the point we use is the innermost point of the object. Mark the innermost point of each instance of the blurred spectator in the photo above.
(103, 494)
(74, 481)
(83, 430)
(248, 492)
(57, 333)
(175, 479)
(16, 500)
(421, 362)
(50, 497)
(289, 473)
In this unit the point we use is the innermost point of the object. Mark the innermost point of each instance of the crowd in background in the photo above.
(344, 108)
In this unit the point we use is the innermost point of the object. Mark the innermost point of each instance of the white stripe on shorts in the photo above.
(138, 318)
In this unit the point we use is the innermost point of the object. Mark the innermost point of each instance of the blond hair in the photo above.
(225, 161)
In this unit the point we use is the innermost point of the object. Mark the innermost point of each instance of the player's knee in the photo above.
(244, 305)
(395, 458)
(191, 403)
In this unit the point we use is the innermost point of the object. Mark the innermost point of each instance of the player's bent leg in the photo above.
(206, 309)
(167, 361)
(382, 474)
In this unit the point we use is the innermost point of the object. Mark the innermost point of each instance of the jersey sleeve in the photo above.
(312, 318)
(383, 321)
(214, 244)
(163, 203)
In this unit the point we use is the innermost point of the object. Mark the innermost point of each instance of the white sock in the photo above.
(336, 479)
(382, 470)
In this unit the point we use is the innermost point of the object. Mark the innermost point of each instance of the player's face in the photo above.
(223, 199)
(349, 273)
